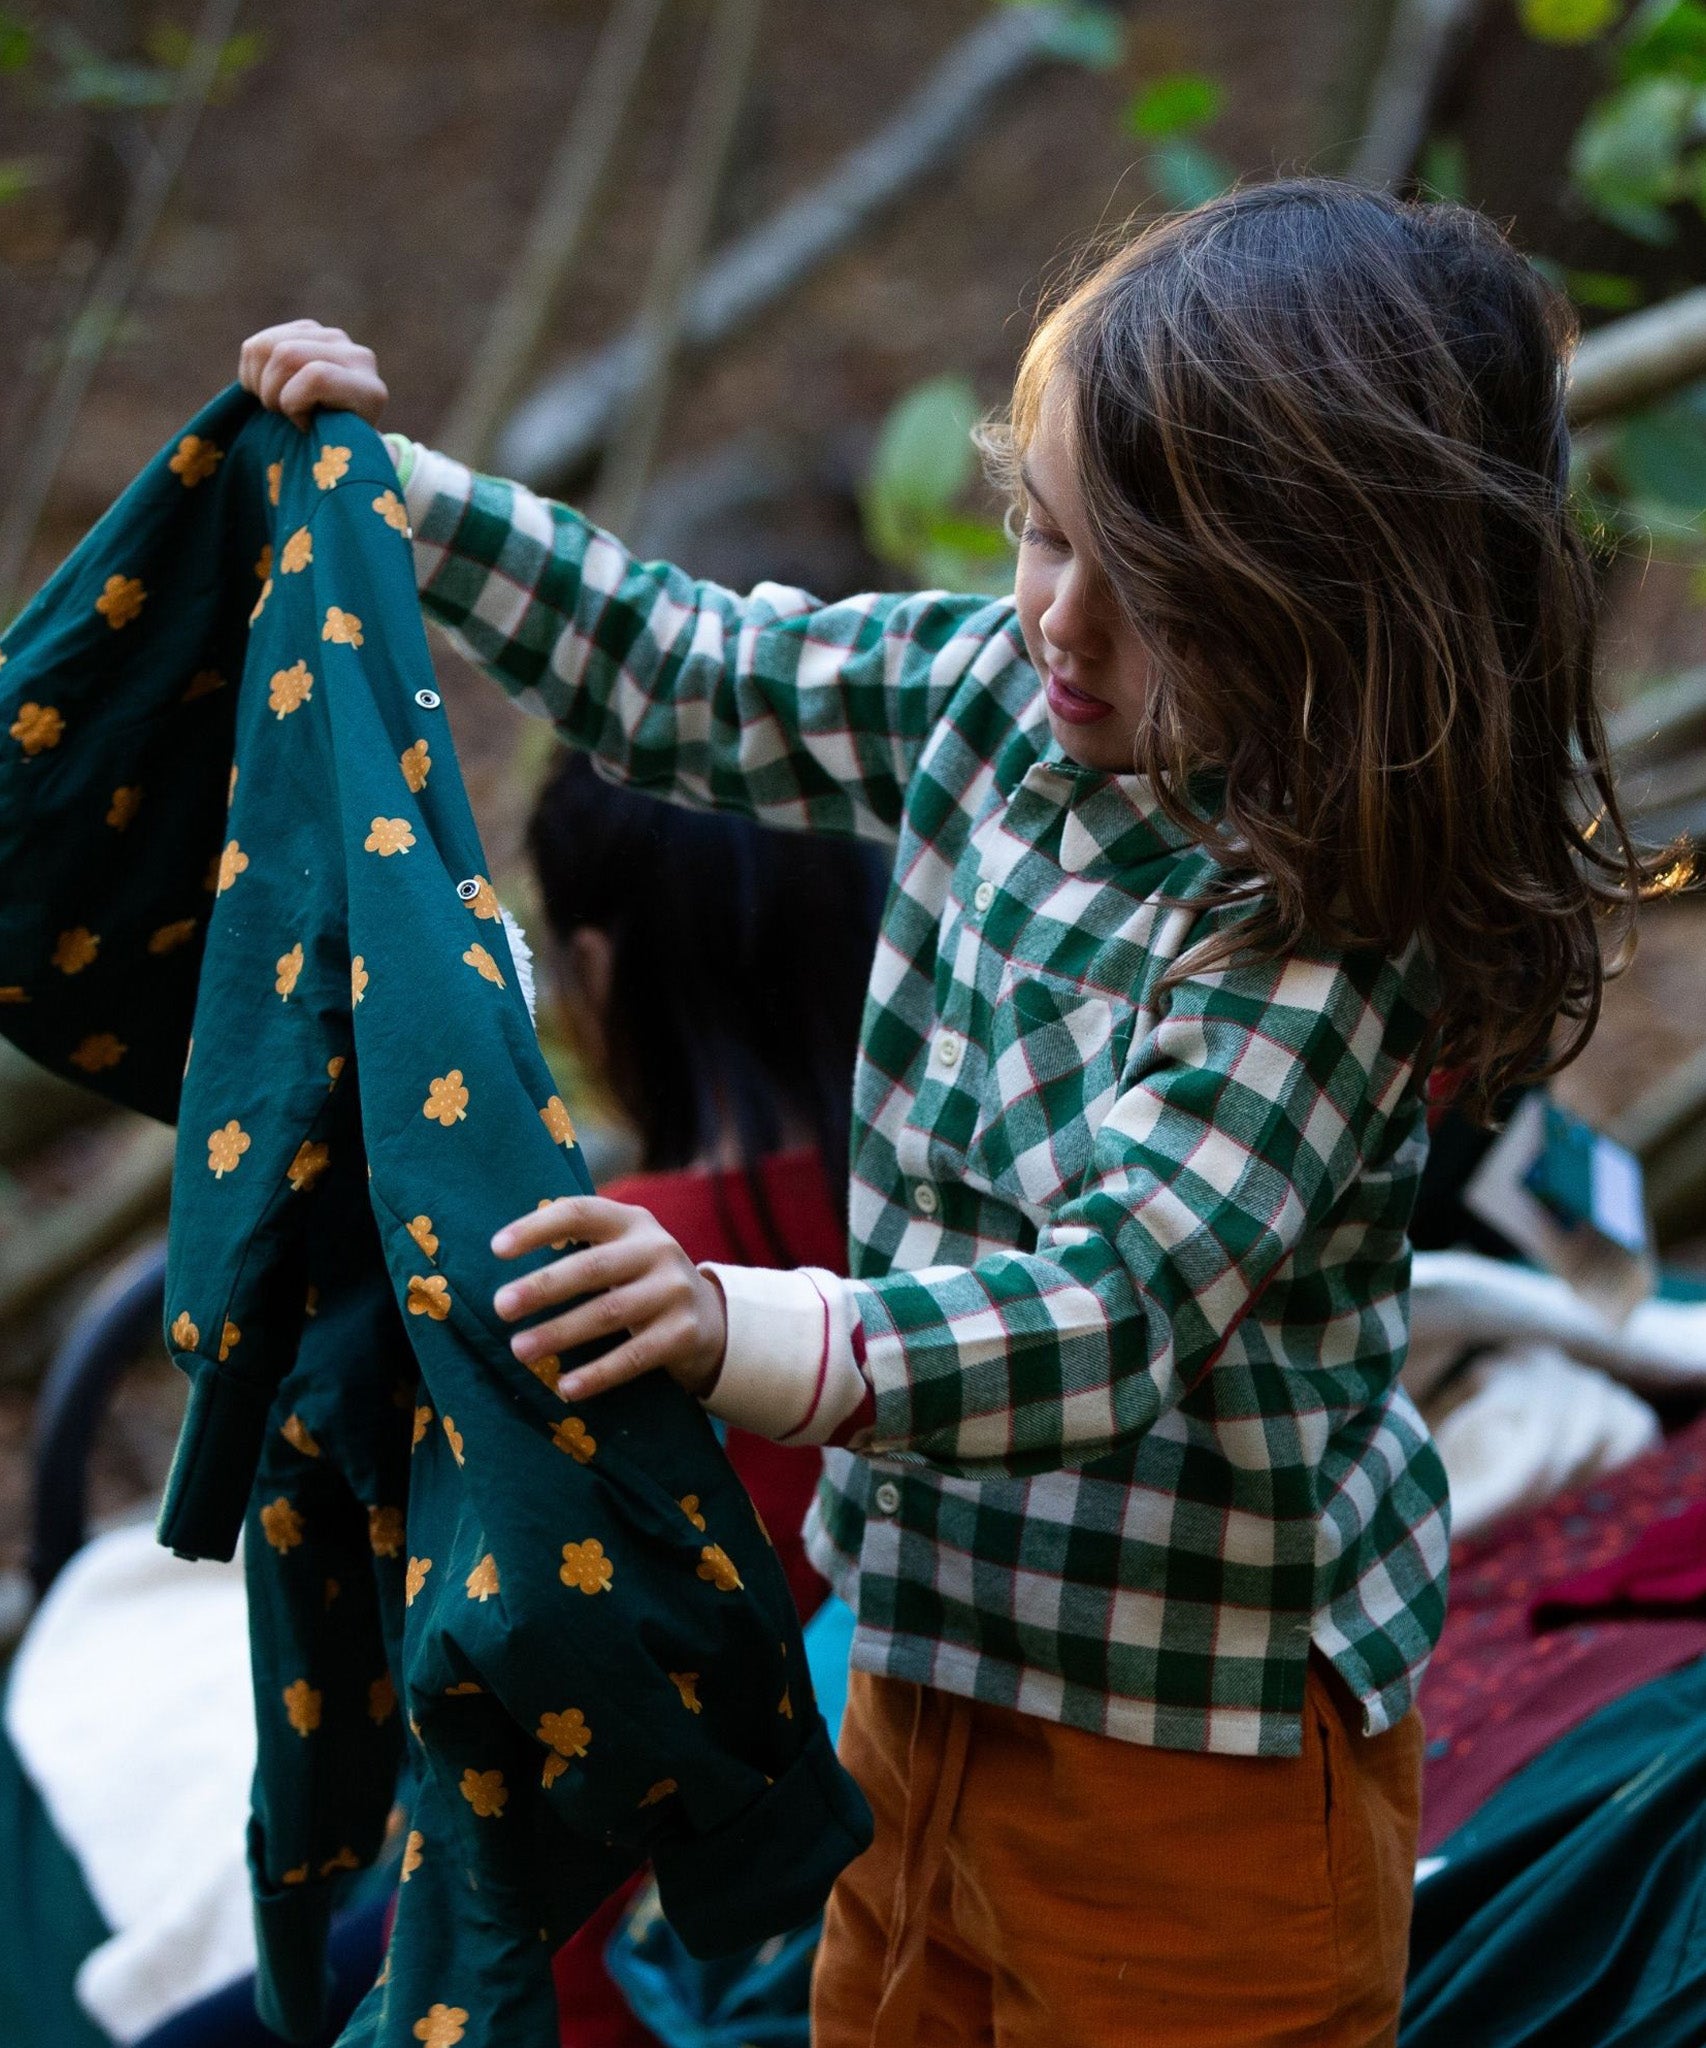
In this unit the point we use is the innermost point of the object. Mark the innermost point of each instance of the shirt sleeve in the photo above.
(802, 714)
(1243, 1119)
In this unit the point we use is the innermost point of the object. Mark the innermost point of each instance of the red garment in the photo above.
(714, 1216)
(1496, 1692)
(1664, 1575)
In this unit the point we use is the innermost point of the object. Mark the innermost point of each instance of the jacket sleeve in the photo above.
(1243, 1119)
(804, 715)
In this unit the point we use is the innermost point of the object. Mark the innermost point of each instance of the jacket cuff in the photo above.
(427, 475)
(789, 1371)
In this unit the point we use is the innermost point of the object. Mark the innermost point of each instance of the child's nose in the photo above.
(1069, 623)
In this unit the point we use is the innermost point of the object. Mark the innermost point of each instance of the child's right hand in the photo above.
(298, 365)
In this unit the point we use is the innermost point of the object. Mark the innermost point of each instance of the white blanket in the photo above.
(130, 1708)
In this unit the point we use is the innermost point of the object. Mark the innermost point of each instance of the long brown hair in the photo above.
(1320, 442)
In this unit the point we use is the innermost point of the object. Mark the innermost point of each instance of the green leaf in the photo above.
(1667, 39)
(1659, 458)
(1568, 21)
(1091, 36)
(1186, 174)
(1174, 106)
(922, 461)
(1626, 158)
(1605, 291)
(20, 174)
(1444, 170)
(17, 42)
(980, 538)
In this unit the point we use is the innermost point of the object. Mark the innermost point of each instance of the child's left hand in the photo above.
(640, 1280)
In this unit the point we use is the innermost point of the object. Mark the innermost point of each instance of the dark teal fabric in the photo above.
(1571, 1911)
(579, 1613)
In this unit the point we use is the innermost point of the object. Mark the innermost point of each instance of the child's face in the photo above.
(1094, 669)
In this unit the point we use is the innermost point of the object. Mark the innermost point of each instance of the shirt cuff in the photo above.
(425, 474)
(789, 1370)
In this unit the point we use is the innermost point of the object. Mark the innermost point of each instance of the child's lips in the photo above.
(1075, 706)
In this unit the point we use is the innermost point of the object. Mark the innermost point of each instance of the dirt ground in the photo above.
(377, 169)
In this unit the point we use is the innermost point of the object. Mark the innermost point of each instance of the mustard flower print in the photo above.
(275, 477)
(423, 1422)
(484, 901)
(296, 1433)
(453, 1437)
(385, 1531)
(289, 689)
(225, 1147)
(345, 1859)
(302, 1703)
(381, 1700)
(185, 1335)
(661, 1790)
(555, 1766)
(289, 971)
(342, 628)
(482, 1581)
(296, 553)
(483, 965)
(716, 1568)
(311, 1301)
(203, 684)
(421, 1230)
(261, 601)
(298, 1875)
(389, 835)
(334, 1067)
(557, 1244)
(231, 787)
(415, 1578)
(281, 1525)
(556, 1119)
(485, 1792)
(416, 764)
(566, 1733)
(37, 727)
(358, 979)
(413, 1848)
(464, 1688)
(447, 1100)
(74, 950)
(263, 563)
(306, 1168)
(121, 598)
(687, 1684)
(232, 862)
(545, 1370)
(785, 1706)
(127, 800)
(429, 1296)
(330, 466)
(97, 1052)
(195, 461)
(229, 1338)
(586, 1566)
(443, 2026)
(14, 992)
(167, 938)
(393, 511)
(689, 1506)
(573, 1436)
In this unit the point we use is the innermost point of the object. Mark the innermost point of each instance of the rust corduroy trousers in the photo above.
(1035, 1886)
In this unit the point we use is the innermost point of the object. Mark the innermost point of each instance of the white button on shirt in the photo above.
(948, 1050)
(984, 897)
(925, 1196)
(887, 1497)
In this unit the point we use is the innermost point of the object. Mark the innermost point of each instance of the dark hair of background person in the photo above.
(1320, 439)
(740, 957)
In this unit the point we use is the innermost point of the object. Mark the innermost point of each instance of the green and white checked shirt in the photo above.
(1118, 1363)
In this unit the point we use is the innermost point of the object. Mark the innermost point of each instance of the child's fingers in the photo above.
(583, 1272)
(590, 1218)
(342, 386)
(648, 1350)
(252, 356)
(632, 1308)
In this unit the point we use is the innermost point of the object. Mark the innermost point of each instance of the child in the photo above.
(1278, 782)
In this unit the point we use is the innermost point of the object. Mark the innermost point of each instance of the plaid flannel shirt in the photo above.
(1130, 1266)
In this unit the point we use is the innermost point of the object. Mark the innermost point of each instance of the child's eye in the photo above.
(1031, 535)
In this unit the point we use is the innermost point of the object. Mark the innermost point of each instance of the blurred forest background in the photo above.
(739, 274)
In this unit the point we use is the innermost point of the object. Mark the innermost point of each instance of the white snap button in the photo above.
(468, 890)
(985, 895)
(948, 1050)
(427, 699)
(888, 1497)
(925, 1196)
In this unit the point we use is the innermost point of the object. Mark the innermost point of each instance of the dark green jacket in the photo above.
(579, 1610)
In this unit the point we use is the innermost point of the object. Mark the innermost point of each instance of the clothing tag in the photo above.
(1569, 1198)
